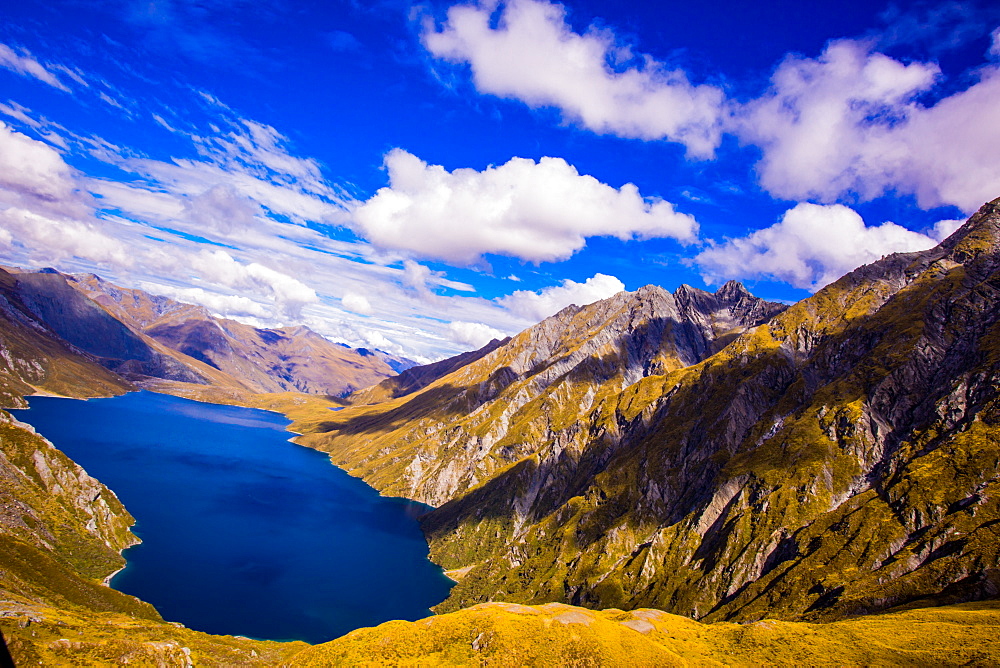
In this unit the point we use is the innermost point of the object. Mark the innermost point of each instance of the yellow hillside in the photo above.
(506, 634)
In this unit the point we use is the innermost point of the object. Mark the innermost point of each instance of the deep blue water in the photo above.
(243, 532)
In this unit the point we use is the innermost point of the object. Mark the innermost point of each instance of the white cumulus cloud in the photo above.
(943, 229)
(531, 54)
(537, 211)
(473, 334)
(849, 123)
(34, 175)
(352, 301)
(52, 239)
(537, 306)
(811, 246)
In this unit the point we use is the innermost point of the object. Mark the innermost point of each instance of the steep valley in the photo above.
(640, 480)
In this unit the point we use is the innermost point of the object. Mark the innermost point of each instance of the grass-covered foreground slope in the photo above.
(841, 459)
(505, 634)
(60, 636)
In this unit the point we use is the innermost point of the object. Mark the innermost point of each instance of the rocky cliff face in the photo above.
(61, 530)
(515, 400)
(842, 458)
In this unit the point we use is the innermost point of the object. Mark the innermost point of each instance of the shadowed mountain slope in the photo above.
(418, 377)
(92, 329)
(33, 357)
(842, 458)
(508, 399)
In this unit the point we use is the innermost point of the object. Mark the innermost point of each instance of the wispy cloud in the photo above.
(935, 28)
(191, 30)
(22, 62)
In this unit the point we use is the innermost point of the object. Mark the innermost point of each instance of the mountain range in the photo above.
(629, 477)
(83, 335)
(717, 456)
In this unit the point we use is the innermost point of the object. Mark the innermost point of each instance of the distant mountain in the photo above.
(441, 429)
(414, 377)
(262, 360)
(34, 357)
(719, 457)
(83, 336)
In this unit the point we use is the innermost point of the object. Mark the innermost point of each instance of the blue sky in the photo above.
(423, 176)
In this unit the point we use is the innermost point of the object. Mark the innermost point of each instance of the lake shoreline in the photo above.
(242, 515)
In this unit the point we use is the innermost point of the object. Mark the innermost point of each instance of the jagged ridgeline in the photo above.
(717, 456)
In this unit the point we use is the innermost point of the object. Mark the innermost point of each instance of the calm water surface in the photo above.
(244, 533)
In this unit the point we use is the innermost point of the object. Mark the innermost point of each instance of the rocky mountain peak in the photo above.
(489, 408)
(732, 291)
(980, 234)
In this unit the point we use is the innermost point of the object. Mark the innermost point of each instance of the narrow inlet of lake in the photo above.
(244, 533)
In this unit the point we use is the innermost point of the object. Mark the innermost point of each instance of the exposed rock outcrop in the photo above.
(512, 399)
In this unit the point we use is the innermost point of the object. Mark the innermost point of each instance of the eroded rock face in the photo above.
(841, 458)
(524, 398)
(55, 517)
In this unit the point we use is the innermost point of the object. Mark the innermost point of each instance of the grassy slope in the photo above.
(502, 634)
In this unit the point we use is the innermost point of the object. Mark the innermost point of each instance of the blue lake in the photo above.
(243, 532)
